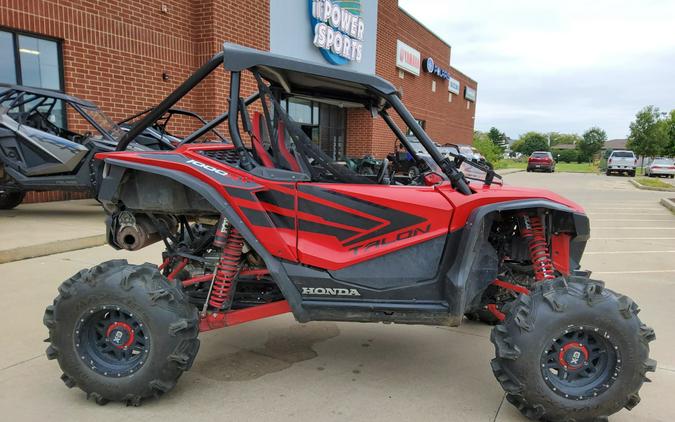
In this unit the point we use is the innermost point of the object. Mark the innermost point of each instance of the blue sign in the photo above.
(432, 67)
(338, 29)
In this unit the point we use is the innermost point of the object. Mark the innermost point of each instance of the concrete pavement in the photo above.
(32, 230)
(279, 370)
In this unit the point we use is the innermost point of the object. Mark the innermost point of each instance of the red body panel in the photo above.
(333, 225)
(383, 234)
(464, 205)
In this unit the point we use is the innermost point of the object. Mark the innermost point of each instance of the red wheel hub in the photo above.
(120, 334)
(573, 356)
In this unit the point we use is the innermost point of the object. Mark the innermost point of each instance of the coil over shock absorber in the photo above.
(230, 240)
(532, 229)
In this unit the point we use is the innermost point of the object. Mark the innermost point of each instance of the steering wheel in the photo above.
(383, 171)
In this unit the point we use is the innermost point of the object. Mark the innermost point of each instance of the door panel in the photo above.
(341, 225)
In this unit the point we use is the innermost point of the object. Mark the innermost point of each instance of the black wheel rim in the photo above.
(112, 341)
(581, 363)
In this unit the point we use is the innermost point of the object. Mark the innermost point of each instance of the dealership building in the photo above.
(126, 56)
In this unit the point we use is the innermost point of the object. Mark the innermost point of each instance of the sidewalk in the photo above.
(33, 230)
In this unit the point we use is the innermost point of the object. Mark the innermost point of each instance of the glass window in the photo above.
(7, 65)
(38, 63)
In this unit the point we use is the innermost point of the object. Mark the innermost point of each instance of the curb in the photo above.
(668, 204)
(508, 171)
(51, 248)
(643, 187)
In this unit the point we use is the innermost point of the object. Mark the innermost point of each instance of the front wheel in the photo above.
(121, 332)
(572, 350)
(11, 199)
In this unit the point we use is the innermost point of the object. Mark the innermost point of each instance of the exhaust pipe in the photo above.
(137, 231)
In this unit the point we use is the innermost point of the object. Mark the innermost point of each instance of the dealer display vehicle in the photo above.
(541, 160)
(661, 167)
(39, 152)
(621, 161)
(274, 225)
(162, 129)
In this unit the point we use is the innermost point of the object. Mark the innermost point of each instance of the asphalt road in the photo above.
(279, 370)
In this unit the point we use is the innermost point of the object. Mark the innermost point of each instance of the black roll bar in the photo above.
(169, 101)
(448, 167)
(215, 122)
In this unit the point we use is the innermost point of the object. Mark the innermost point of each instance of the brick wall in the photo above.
(115, 51)
(445, 121)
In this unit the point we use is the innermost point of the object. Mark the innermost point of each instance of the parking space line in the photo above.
(632, 238)
(630, 219)
(634, 272)
(622, 252)
(634, 228)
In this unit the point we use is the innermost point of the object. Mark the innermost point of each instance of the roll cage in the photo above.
(278, 76)
(30, 100)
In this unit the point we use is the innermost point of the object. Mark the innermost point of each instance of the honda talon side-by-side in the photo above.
(267, 224)
(40, 152)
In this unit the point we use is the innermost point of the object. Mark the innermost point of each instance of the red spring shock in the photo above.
(533, 230)
(232, 242)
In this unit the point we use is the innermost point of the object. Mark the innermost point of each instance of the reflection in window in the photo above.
(39, 62)
(30, 61)
(7, 65)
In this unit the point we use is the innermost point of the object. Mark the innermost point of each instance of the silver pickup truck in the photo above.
(621, 161)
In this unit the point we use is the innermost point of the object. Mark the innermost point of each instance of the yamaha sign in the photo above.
(338, 29)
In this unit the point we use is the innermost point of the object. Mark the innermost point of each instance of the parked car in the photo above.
(621, 161)
(541, 160)
(661, 167)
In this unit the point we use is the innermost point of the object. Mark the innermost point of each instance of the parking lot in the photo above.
(279, 370)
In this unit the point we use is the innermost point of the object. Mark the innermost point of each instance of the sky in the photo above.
(559, 66)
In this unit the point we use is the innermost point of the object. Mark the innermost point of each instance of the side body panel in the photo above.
(341, 225)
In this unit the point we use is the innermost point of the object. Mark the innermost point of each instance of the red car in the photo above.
(541, 160)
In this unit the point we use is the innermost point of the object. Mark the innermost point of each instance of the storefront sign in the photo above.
(470, 94)
(453, 85)
(432, 67)
(338, 29)
(407, 58)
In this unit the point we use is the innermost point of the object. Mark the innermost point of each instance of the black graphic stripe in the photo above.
(397, 220)
(279, 199)
(312, 227)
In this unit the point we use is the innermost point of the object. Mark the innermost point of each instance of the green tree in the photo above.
(670, 133)
(498, 138)
(648, 133)
(484, 144)
(591, 143)
(556, 138)
(530, 142)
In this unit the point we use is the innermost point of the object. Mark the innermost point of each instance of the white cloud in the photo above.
(559, 66)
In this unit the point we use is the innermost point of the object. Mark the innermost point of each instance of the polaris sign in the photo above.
(338, 29)
(432, 67)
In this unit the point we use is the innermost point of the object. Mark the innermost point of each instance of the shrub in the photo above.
(565, 155)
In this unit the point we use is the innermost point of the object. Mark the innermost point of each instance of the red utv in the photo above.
(273, 225)
(541, 160)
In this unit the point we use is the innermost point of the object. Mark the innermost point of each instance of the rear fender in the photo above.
(476, 262)
(113, 177)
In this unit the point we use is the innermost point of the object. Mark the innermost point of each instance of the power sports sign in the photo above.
(338, 29)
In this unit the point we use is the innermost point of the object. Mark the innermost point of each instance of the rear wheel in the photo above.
(631, 173)
(572, 351)
(121, 332)
(11, 199)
